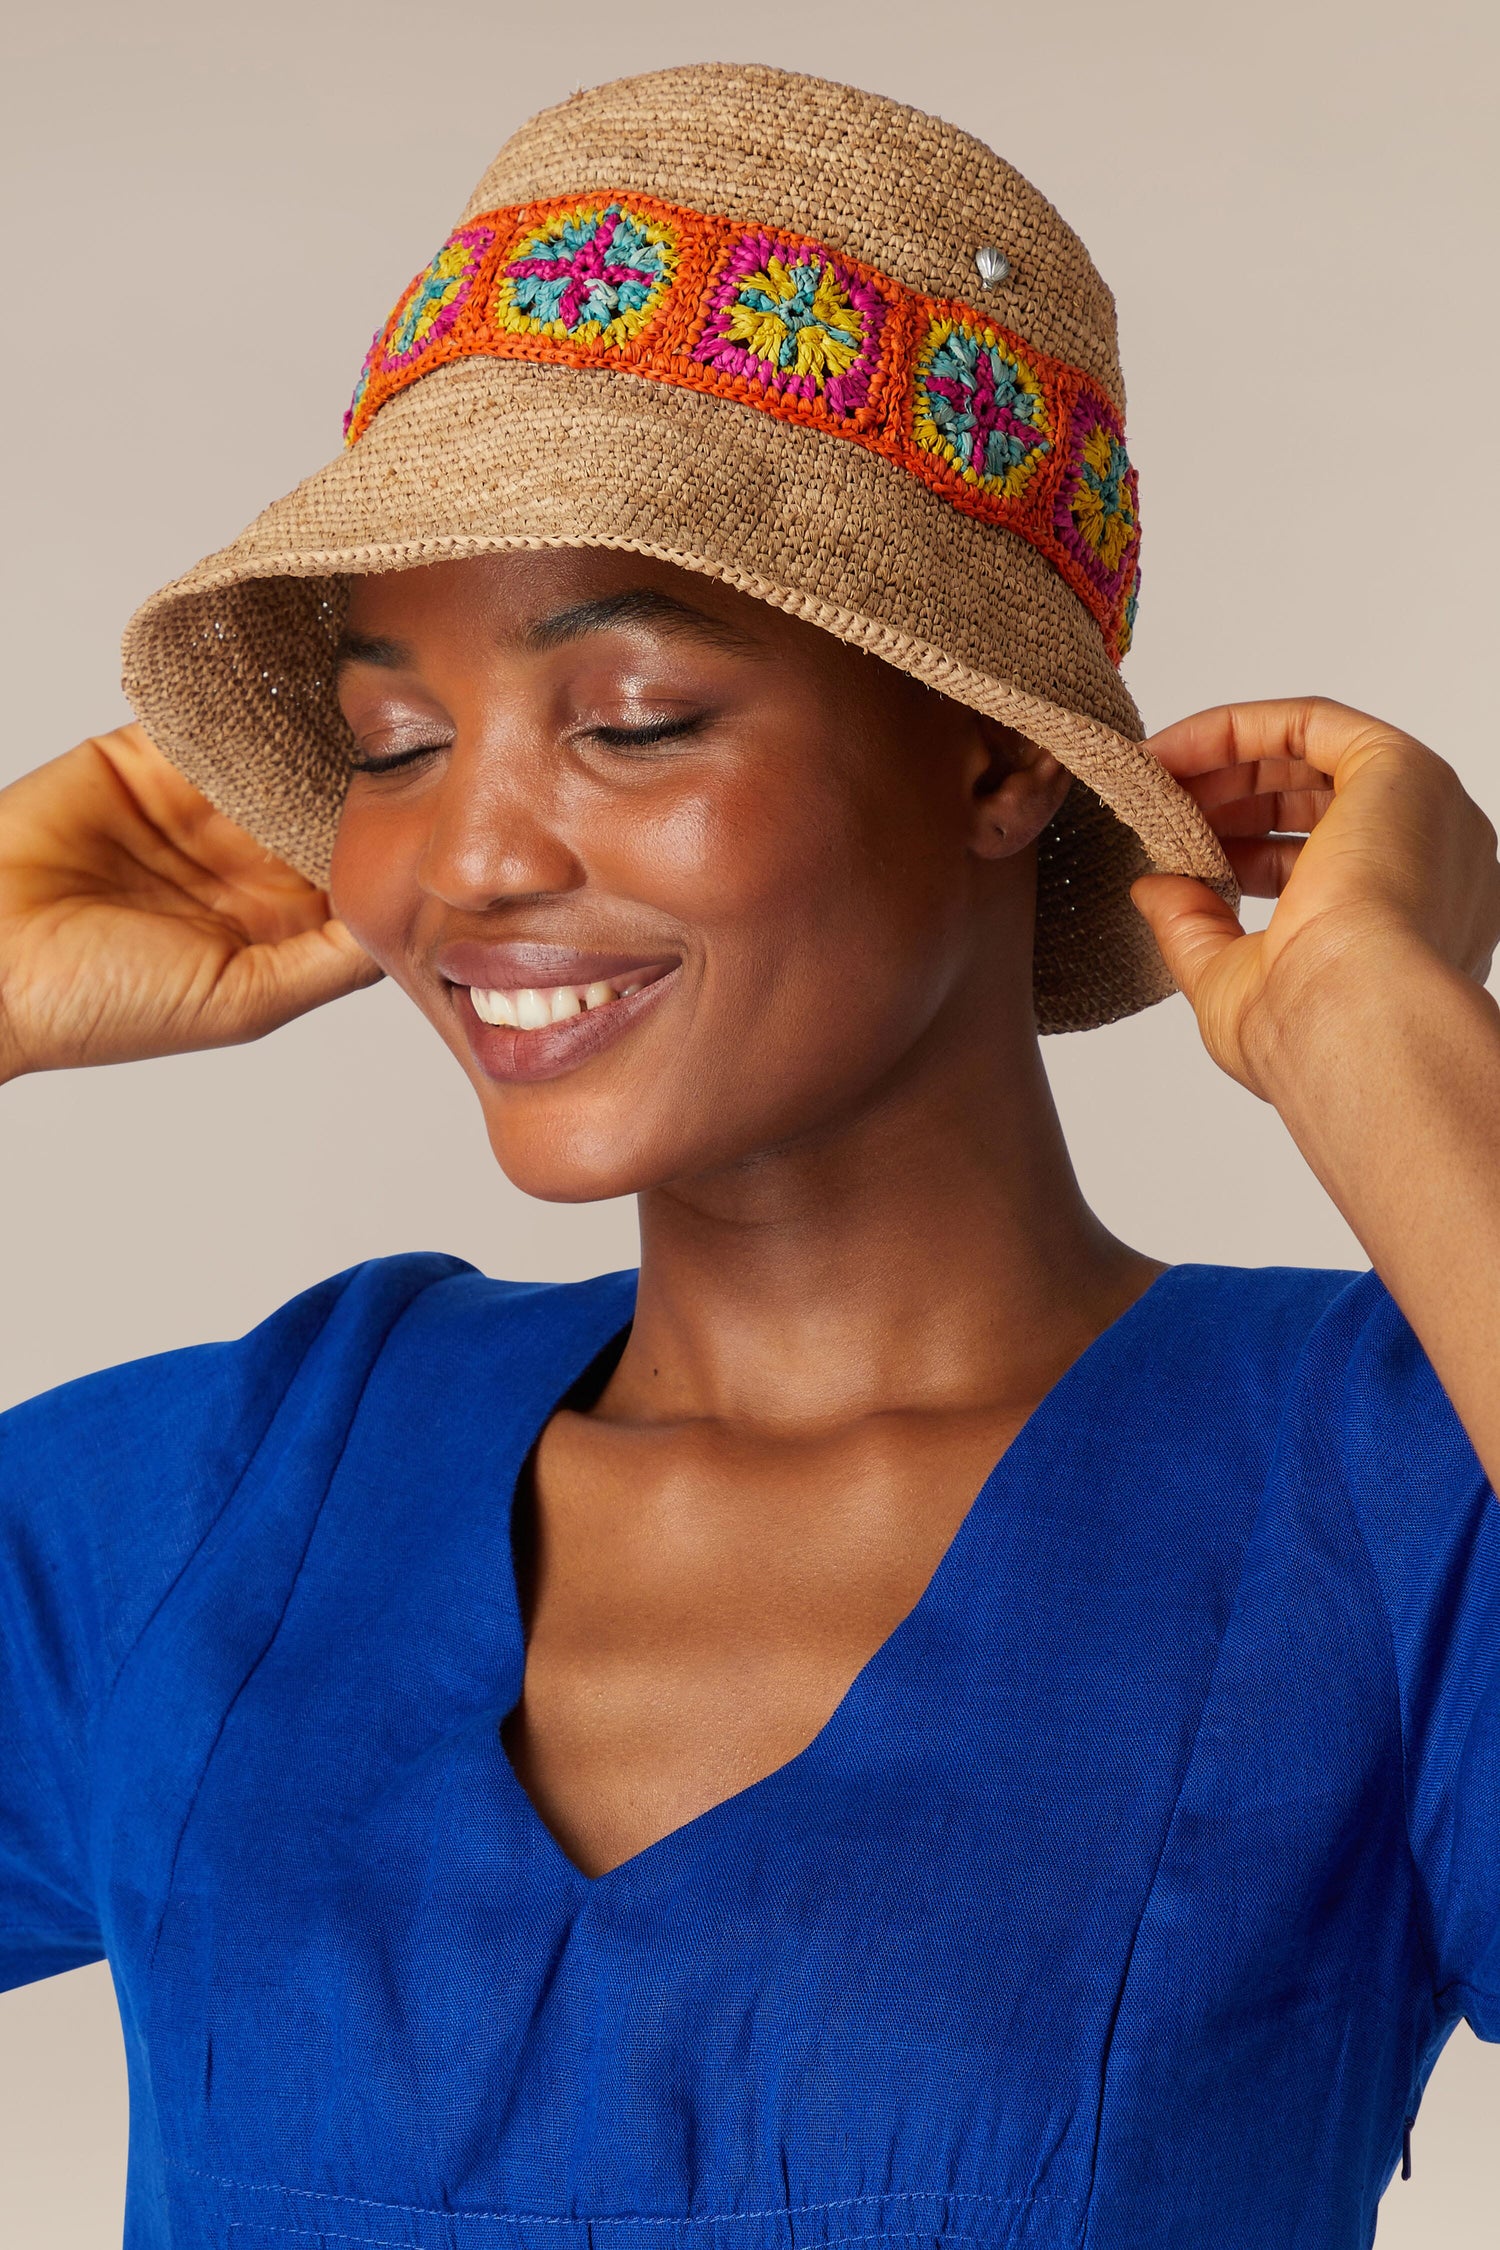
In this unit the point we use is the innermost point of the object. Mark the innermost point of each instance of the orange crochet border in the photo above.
(1062, 488)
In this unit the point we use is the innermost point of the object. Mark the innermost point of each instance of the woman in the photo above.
(696, 685)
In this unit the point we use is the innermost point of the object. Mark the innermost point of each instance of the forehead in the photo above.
(524, 604)
(510, 594)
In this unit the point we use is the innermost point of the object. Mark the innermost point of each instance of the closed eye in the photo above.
(396, 758)
(643, 737)
(614, 738)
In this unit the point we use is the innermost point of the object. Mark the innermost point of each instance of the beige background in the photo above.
(209, 206)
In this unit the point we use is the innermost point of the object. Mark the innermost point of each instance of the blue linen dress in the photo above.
(1126, 1899)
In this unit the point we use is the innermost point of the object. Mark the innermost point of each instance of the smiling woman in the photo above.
(620, 1776)
(786, 869)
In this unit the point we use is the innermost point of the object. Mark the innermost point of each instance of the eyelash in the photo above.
(642, 738)
(613, 738)
(399, 759)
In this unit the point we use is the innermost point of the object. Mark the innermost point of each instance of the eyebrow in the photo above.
(639, 605)
(369, 648)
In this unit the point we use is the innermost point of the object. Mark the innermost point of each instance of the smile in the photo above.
(532, 1007)
(519, 1033)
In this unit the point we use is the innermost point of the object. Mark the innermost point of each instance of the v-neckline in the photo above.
(1009, 1466)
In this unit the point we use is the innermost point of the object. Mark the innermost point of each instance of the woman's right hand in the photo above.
(135, 920)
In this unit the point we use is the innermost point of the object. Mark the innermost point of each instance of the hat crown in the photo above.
(881, 182)
(806, 341)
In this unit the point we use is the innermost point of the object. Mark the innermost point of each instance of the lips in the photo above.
(513, 966)
(533, 1007)
(534, 1011)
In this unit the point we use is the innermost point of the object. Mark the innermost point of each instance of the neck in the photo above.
(933, 1254)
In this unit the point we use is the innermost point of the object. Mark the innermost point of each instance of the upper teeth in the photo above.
(532, 1006)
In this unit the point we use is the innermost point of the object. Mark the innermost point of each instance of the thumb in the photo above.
(263, 986)
(1191, 924)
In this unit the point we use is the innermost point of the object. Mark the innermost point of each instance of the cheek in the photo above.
(817, 904)
(373, 881)
(744, 860)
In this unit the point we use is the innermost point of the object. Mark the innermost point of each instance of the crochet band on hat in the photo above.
(627, 284)
(737, 320)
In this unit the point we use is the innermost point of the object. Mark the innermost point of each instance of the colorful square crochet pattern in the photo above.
(796, 321)
(797, 330)
(424, 313)
(1097, 516)
(589, 275)
(435, 299)
(979, 407)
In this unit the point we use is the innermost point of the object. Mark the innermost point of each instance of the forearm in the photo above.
(1390, 1084)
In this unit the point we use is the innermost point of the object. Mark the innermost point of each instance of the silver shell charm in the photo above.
(994, 266)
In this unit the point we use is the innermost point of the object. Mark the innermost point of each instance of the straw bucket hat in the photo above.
(812, 343)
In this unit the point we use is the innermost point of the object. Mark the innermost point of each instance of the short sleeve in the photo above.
(1432, 1527)
(108, 1487)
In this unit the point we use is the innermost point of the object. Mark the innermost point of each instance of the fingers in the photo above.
(1263, 865)
(211, 855)
(158, 790)
(264, 986)
(1191, 924)
(1310, 729)
(1291, 813)
(1256, 777)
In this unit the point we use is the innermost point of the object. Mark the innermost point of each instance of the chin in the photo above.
(564, 1161)
(597, 1152)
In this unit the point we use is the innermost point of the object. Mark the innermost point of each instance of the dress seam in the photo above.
(104, 1702)
(296, 1578)
(422, 2211)
(1166, 1837)
(631, 2218)
(1426, 1945)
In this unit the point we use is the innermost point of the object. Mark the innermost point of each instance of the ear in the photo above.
(1015, 789)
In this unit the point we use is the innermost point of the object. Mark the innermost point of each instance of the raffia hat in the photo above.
(810, 342)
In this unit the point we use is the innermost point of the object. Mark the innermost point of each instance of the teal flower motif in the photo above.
(600, 269)
(980, 407)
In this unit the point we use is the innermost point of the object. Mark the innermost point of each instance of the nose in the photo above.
(497, 831)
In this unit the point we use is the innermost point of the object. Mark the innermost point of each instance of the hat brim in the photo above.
(230, 669)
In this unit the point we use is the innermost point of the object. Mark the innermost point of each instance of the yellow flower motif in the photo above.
(1101, 505)
(796, 319)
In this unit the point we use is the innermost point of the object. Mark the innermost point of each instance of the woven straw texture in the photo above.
(230, 667)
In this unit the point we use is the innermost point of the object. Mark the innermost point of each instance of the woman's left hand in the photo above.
(1368, 843)
(1359, 1010)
